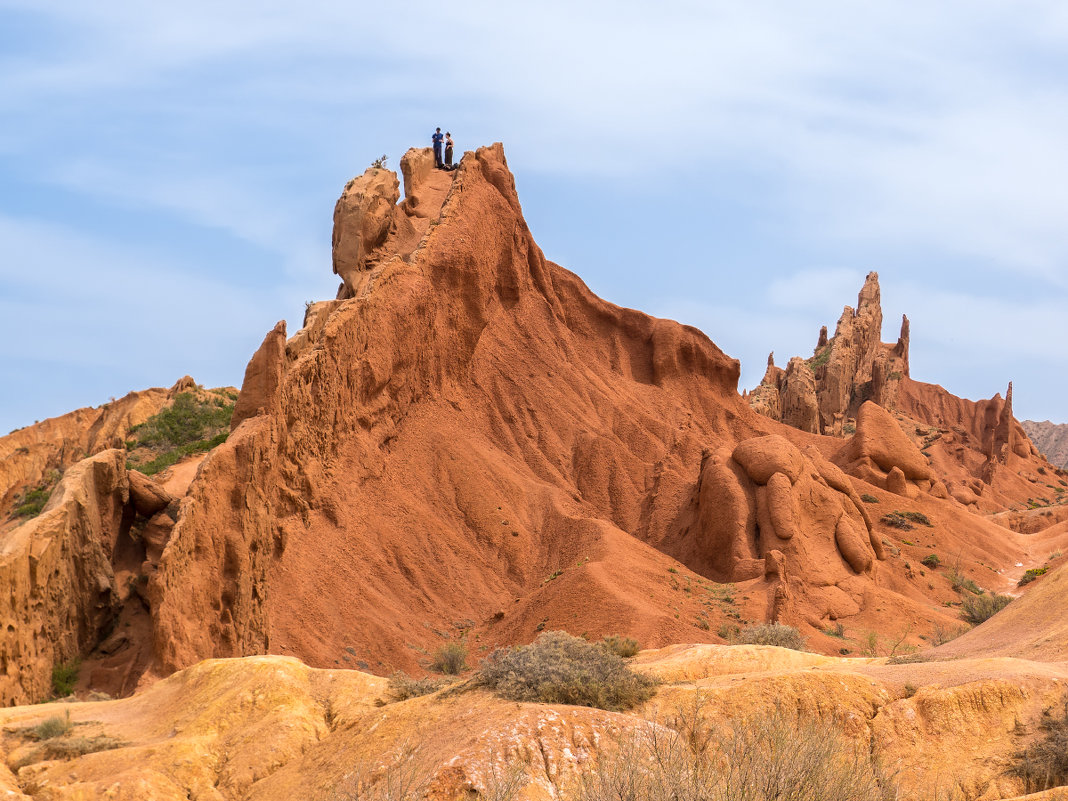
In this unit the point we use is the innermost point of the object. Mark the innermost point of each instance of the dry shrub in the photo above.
(1044, 763)
(48, 728)
(450, 659)
(402, 686)
(558, 668)
(401, 776)
(624, 647)
(977, 608)
(771, 756)
(771, 634)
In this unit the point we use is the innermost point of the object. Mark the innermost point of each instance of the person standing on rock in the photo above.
(437, 139)
(448, 150)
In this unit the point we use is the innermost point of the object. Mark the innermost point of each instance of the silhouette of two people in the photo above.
(438, 139)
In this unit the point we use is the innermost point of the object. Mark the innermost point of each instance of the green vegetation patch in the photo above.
(1031, 575)
(193, 423)
(64, 677)
(977, 608)
(559, 668)
(931, 560)
(32, 501)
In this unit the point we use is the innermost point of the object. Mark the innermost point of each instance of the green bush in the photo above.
(64, 677)
(1031, 575)
(931, 560)
(558, 668)
(977, 608)
(867, 498)
(771, 634)
(620, 646)
(450, 659)
(32, 501)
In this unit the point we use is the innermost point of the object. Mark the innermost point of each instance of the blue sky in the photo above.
(168, 172)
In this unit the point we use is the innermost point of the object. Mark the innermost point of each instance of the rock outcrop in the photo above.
(60, 594)
(765, 509)
(846, 370)
(1051, 439)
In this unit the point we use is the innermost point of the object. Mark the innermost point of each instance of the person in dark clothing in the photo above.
(448, 150)
(437, 139)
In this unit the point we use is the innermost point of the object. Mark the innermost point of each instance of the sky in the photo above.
(168, 172)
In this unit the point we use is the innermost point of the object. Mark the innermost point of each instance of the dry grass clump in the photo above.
(402, 686)
(48, 728)
(770, 756)
(624, 647)
(450, 659)
(977, 608)
(771, 634)
(558, 668)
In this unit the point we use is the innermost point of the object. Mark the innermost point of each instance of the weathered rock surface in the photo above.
(846, 370)
(1051, 439)
(59, 587)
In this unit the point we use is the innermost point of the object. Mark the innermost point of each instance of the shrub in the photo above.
(450, 659)
(1031, 575)
(558, 668)
(1044, 763)
(33, 500)
(977, 608)
(54, 726)
(897, 520)
(770, 756)
(931, 560)
(64, 677)
(70, 747)
(620, 646)
(869, 498)
(771, 634)
(402, 686)
(916, 517)
(961, 582)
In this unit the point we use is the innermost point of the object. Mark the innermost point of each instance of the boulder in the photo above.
(880, 439)
(146, 496)
(763, 457)
(363, 216)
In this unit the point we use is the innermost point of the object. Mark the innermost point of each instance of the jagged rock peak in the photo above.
(845, 370)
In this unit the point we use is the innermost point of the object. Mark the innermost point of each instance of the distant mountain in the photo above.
(1050, 438)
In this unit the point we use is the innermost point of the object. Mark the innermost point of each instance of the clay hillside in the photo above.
(1051, 439)
(467, 449)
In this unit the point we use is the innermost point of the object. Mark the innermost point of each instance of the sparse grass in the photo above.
(450, 658)
(1031, 575)
(821, 357)
(191, 424)
(64, 677)
(837, 630)
(931, 560)
(906, 659)
(771, 634)
(868, 498)
(71, 747)
(558, 668)
(623, 647)
(977, 608)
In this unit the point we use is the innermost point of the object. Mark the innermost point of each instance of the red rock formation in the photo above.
(59, 586)
(849, 368)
